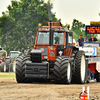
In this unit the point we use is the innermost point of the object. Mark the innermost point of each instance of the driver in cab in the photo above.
(93, 39)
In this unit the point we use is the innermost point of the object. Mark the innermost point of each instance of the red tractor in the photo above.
(53, 57)
(9, 63)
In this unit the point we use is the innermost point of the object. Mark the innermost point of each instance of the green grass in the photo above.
(7, 75)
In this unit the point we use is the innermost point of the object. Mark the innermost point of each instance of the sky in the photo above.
(67, 10)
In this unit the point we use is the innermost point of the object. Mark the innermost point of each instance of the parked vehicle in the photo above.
(10, 61)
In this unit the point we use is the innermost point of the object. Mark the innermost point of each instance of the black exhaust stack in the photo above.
(51, 35)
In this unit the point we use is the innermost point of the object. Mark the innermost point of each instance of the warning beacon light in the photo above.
(68, 26)
(39, 25)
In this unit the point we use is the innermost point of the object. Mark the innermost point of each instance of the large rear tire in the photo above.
(62, 70)
(3, 67)
(20, 69)
(80, 68)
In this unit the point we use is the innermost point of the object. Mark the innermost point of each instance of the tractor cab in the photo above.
(53, 40)
(14, 54)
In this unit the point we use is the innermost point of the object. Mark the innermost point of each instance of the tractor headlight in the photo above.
(45, 57)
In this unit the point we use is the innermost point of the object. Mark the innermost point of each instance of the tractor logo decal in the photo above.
(60, 53)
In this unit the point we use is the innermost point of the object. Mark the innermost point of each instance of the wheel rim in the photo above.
(68, 72)
(4, 67)
(14, 65)
(83, 68)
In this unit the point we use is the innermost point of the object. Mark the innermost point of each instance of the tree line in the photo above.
(24, 16)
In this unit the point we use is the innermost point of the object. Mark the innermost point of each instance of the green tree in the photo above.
(6, 29)
(22, 16)
(77, 29)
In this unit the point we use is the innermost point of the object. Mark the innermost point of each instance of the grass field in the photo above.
(7, 75)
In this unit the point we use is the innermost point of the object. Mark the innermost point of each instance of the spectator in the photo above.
(80, 40)
(93, 39)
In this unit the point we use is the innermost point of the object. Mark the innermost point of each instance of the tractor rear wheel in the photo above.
(20, 69)
(3, 67)
(80, 68)
(62, 70)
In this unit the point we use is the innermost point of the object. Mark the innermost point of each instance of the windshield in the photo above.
(43, 38)
(14, 55)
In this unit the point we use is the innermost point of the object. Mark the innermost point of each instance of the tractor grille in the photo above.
(44, 50)
(35, 55)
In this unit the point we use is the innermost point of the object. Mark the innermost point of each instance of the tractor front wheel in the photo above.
(62, 70)
(20, 69)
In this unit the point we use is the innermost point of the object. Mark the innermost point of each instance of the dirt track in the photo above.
(10, 90)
